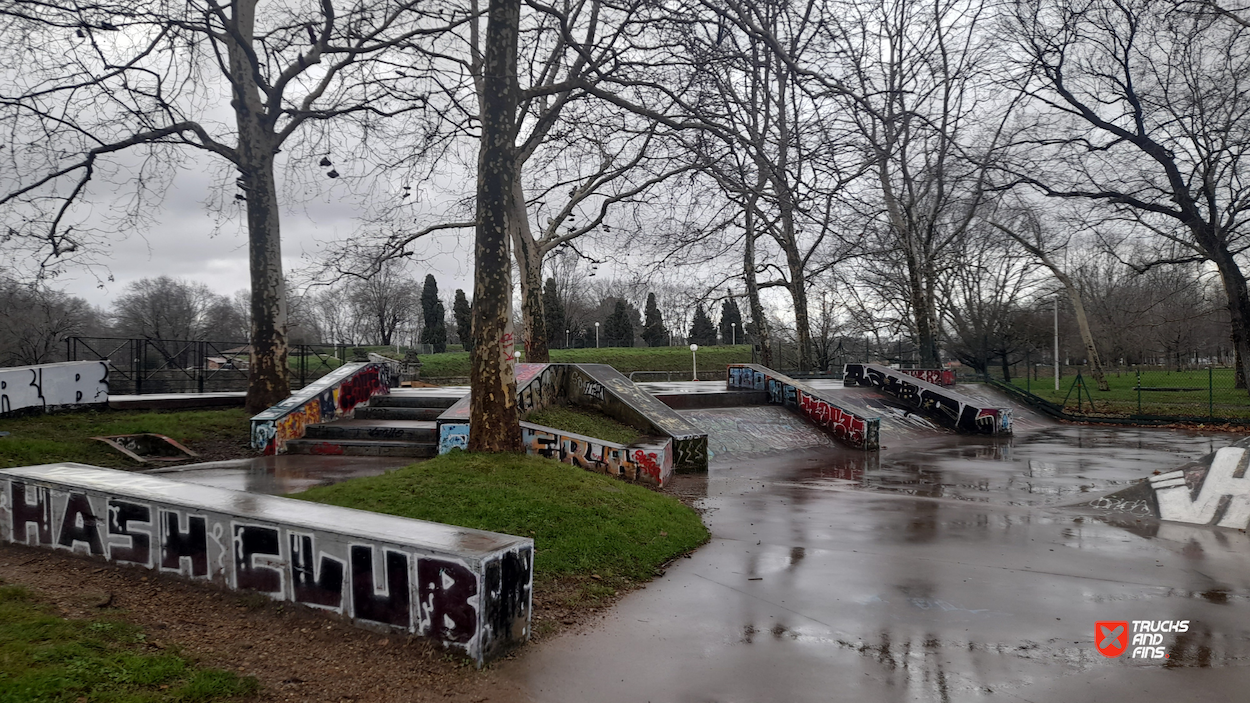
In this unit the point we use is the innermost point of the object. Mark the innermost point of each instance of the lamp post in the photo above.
(516, 356)
(733, 328)
(1056, 344)
(694, 362)
(566, 339)
(596, 335)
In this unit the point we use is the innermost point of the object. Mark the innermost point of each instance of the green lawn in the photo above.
(712, 360)
(43, 439)
(584, 422)
(1194, 393)
(46, 658)
(583, 524)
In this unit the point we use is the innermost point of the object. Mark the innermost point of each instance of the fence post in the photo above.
(139, 347)
(201, 349)
(1139, 391)
(1210, 392)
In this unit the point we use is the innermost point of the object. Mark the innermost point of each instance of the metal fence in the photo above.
(1140, 393)
(145, 366)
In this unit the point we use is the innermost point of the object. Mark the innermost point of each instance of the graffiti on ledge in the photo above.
(332, 397)
(53, 385)
(842, 424)
(429, 592)
(940, 404)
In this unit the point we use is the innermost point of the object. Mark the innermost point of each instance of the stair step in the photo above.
(373, 412)
(360, 447)
(396, 399)
(388, 430)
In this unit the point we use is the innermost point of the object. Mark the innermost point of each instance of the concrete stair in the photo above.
(389, 412)
(400, 423)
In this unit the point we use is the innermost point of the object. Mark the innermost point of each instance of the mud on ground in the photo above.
(297, 653)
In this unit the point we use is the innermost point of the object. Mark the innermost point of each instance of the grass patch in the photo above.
(712, 360)
(43, 439)
(44, 657)
(582, 523)
(1196, 393)
(584, 422)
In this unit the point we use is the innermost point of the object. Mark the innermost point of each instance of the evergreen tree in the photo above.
(463, 312)
(553, 310)
(702, 331)
(730, 316)
(653, 332)
(434, 332)
(619, 328)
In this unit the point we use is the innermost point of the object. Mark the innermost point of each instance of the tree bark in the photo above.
(268, 383)
(753, 289)
(529, 256)
(494, 421)
(1238, 311)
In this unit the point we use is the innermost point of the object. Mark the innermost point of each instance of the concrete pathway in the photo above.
(946, 571)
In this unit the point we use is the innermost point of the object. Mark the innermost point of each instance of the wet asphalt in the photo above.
(945, 569)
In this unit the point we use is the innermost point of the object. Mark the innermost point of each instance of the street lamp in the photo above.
(566, 339)
(596, 335)
(694, 362)
(516, 356)
(733, 326)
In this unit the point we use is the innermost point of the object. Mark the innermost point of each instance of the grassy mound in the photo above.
(44, 439)
(584, 422)
(582, 523)
(712, 360)
(48, 658)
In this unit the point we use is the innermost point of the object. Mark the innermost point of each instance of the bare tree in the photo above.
(1143, 111)
(125, 76)
(495, 423)
(35, 320)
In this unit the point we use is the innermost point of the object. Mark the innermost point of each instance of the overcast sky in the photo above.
(186, 240)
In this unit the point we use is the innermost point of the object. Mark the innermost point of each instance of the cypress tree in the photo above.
(653, 332)
(619, 327)
(729, 316)
(434, 332)
(702, 331)
(463, 312)
(553, 310)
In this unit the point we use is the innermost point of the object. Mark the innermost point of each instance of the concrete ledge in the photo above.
(466, 589)
(334, 396)
(703, 401)
(47, 387)
(843, 425)
(649, 460)
(939, 404)
(595, 386)
(938, 377)
(178, 401)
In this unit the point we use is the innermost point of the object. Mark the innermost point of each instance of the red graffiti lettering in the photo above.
(326, 448)
(647, 462)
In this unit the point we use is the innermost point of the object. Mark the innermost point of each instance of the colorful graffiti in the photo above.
(938, 377)
(472, 598)
(333, 397)
(539, 386)
(842, 424)
(942, 405)
(644, 462)
(453, 435)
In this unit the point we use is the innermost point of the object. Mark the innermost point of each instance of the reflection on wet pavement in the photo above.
(946, 570)
(283, 474)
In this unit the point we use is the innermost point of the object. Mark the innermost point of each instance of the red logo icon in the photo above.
(1111, 638)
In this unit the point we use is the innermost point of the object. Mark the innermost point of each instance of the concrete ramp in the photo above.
(942, 405)
(1212, 491)
(846, 426)
(734, 433)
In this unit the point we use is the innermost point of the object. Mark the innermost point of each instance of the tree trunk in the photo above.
(268, 383)
(1238, 311)
(494, 422)
(1082, 322)
(529, 258)
(926, 335)
(753, 290)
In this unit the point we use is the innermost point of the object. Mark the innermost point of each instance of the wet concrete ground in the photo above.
(283, 474)
(946, 570)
